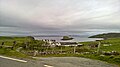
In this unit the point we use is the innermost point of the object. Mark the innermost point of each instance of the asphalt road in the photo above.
(12, 63)
(55, 62)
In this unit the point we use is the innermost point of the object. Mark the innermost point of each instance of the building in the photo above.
(53, 43)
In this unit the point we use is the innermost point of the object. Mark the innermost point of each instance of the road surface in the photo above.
(55, 62)
(12, 63)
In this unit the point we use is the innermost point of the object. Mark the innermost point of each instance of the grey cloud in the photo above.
(60, 14)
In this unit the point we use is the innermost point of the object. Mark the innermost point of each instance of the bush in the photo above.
(83, 49)
(117, 59)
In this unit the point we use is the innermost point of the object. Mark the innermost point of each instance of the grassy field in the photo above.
(8, 41)
(114, 45)
(85, 51)
(12, 53)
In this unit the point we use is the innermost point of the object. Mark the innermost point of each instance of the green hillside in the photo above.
(106, 35)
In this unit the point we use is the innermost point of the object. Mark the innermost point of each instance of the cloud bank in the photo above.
(60, 14)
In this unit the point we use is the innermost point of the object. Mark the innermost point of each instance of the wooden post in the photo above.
(47, 48)
(14, 44)
(61, 49)
(35, 52)
(26, 45)
(1, 44)
(53, 50)
(98, 50)
(74, 49)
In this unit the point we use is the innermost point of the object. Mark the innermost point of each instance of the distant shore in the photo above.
(76, 39)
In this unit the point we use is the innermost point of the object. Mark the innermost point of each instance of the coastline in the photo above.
(76, 39)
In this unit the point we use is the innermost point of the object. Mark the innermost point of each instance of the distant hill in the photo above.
(106, 35)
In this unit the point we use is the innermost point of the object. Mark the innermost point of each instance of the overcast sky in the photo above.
(26, 15)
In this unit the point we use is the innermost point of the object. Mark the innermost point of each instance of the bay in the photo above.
(76, 39)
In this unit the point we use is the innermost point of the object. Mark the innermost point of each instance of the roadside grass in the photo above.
(8, 41)
(12, 53)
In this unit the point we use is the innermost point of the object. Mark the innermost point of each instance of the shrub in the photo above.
(117, 59)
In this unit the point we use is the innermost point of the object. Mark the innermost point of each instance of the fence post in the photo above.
(98, 50)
